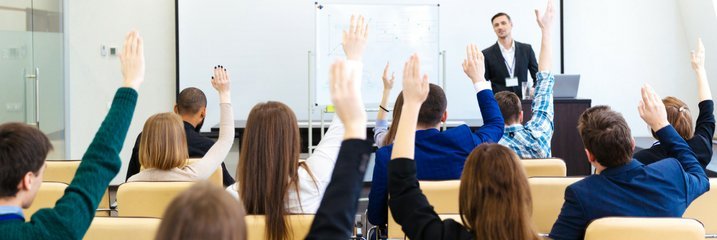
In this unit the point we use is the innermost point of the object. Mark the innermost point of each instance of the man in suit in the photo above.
(623, 186)
(192, 107)
(508, 62)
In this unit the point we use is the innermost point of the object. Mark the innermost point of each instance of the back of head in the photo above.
(268, 164)
(606, 135)
(23, 149)
(433, 108)
(163, 144)
(510, 106)
(391, 135)
(190, 101)
(494, 199)
(203, 211)
(679, 116)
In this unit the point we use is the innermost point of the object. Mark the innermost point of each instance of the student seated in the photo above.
(163, 146)
(191, 106)
(204, 211)
(624, 186)
(271, 180)
(440, 155)
(23, 150)
(698, 138)
(381, 134)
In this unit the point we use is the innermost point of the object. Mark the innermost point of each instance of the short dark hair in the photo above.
(498, 15)
(433, 108)
(510, 106)
(23, 149)
(190, 101)
(606, 135)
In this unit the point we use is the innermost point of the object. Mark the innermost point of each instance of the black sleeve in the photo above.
(704, 130)
(488, 70)
(335, 216)
(532, 65)
(411, 209)
(226, 177)
(134, 165)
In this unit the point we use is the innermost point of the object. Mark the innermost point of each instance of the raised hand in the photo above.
(354, 39)
(222, 83)
(346, 97)
(651, 109)
(546, 20)
(415, 86)
(473, 65)
(388, 81)
(698, 56)
(132, 60)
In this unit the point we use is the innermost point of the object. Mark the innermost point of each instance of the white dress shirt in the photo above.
(509, 56)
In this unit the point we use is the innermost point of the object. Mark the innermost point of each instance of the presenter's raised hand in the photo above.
(222, 83)
(132, 60)
(545, 21)
(473, 65)
(415, 85)
(354, 39)
(346, 97)
(651, 109)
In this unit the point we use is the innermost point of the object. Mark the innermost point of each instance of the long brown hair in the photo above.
(268, 165)
(679, 116)
(203, 211)
(494, 198)
(391, 135)
(163, 144)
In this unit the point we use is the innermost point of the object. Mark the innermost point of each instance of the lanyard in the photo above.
(510, 68)
(11, 216)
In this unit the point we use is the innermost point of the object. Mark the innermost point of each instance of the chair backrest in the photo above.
(634, 228)
(217, 177)
(256, 226)
(442, 195)
(549, 167)
(147, 199)
(704, 208)
(120, 228)
(64, 171)
(548, 195)
(46, 197)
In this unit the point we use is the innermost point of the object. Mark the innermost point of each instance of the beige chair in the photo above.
(63, 171)
(548, 195)
(633, 228)
(442, 195)
(46, 197)
(217, 177)
(256, 226)
(147, 199)
(120, 228)
(549, 167)
(704, 209)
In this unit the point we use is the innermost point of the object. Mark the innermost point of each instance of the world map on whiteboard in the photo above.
(395, 32)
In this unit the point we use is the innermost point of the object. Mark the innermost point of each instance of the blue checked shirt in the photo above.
(533, 139)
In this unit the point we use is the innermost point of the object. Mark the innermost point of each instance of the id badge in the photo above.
(511, 82)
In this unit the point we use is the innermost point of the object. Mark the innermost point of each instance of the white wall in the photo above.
(619, 45)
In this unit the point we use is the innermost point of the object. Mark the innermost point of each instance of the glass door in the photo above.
(32, 88)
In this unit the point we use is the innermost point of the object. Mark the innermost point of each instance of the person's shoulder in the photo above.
(518, 44)
(489, 48)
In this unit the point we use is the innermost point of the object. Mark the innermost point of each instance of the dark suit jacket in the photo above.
(496, 71)
(197, 145)
(662, 189)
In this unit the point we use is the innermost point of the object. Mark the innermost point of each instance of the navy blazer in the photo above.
(662, 189)
(439, 155)
(496, 71)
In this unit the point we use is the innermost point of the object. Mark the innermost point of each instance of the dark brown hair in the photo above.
(679, 116)
(391, 135)
(23, 149)
(494, 198)
(190, 101)
(433, 108)
(498, 15)
(203, 211)
(606, 135)
(268, 165)
(510, 106)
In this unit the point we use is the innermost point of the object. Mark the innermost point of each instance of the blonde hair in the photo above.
(163, 144)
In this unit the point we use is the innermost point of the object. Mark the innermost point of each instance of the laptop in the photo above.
(566, 86)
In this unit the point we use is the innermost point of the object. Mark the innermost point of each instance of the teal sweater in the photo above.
(74, 212)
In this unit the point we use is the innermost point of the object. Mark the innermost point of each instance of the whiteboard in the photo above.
(395, 32)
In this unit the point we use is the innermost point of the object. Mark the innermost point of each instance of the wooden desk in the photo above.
(566, 142)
